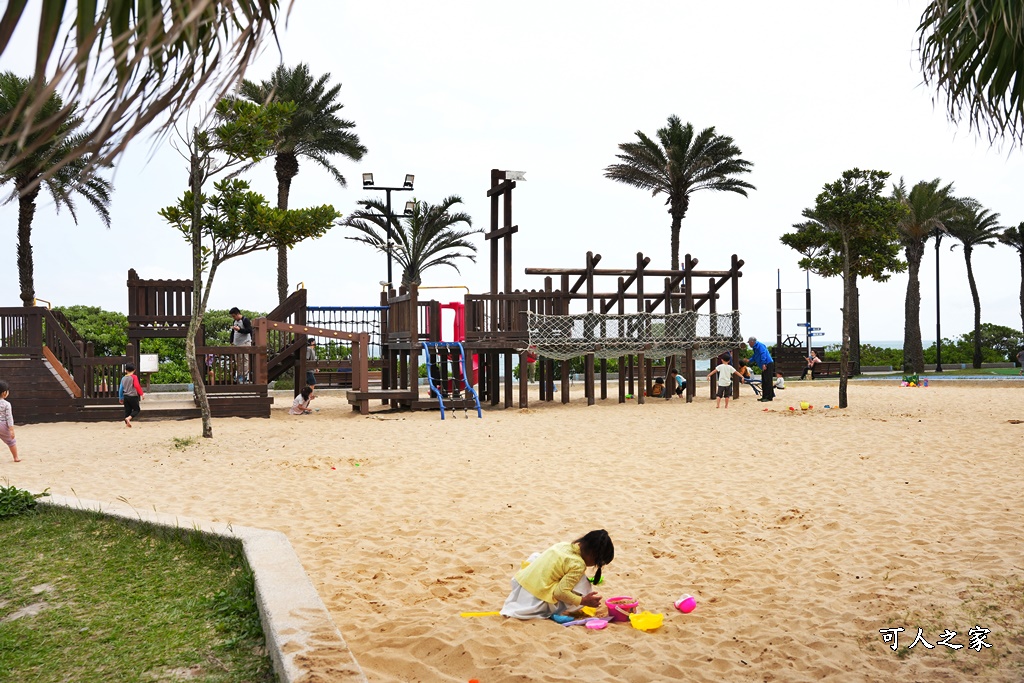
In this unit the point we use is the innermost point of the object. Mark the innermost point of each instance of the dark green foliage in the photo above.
(107, 330)
(15, 501)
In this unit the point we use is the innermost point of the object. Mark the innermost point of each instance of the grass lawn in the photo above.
(84, 598)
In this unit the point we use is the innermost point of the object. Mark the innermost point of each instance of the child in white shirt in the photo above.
(300, 406)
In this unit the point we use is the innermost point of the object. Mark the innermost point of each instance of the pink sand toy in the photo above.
(619, 608)
(686, 604)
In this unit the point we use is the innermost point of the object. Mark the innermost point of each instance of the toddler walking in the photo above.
(7, 421)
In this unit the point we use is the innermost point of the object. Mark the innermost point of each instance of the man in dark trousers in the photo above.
(762, 358)
(241, 335)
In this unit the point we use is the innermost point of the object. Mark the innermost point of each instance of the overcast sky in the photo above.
(449, 90)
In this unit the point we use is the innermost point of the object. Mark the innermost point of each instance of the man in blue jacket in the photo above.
(762, 358)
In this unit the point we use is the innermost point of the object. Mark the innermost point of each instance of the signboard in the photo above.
(515, 175)
(149, 362)
(815, 334)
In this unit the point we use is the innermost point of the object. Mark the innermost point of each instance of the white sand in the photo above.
(801, 534)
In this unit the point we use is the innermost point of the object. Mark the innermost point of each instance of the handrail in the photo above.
(66, 342)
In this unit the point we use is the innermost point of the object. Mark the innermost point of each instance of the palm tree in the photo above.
(432, 235)
(126, 64)
(974, 52)
(1014, 237)
(315, 132)
(930, 207)
(30, 173)
(678, 164)
(974, 226)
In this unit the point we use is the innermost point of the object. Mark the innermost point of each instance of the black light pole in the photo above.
(938, 324)
(406, 185)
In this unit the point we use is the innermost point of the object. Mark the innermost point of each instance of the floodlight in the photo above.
(367, 180)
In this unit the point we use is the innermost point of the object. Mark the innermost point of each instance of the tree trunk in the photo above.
(286, 166)
(849, 286)
(198, 380)
(26, 212)
(855, 326)
(913, 349)
(1022, 290)
(977, 307)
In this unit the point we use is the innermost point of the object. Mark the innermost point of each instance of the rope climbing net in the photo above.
(657, 335)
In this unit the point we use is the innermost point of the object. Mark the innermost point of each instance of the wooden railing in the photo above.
(60, 343)
(158, 303)
(14, 332)
(230, 365)
(503, 316)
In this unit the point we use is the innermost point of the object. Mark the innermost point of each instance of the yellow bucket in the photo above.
(646, 621)
(804, 405)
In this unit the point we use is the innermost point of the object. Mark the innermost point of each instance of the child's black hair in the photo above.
(598, 545)
(306, 392)
(129, 367)
(4, 386)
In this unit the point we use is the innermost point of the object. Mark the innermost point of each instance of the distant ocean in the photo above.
(883, 344)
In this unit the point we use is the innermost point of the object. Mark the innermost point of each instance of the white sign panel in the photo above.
(149, 362)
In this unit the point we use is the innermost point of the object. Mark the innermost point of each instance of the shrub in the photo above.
(15, 501)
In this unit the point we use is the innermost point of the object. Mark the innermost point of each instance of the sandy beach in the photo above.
(800, 533)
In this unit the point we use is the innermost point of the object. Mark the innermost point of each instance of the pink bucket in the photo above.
(621, 607)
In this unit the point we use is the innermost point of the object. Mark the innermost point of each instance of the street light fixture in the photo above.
(407, 185)
(937, 233)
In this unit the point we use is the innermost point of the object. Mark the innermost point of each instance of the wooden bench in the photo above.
(326, 379)
(338, 373)
(829, 368)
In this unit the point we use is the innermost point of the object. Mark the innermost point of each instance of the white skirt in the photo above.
(522, 604)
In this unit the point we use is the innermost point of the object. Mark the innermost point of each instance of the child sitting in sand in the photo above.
(7, 421)
(300, 406)
(556, 580)
(780, 381)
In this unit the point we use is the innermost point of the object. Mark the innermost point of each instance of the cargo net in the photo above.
(657, 335)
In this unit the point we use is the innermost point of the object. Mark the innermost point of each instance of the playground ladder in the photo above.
(467, 389)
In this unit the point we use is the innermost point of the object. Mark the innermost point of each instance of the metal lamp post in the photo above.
(938, 233)
(406, 185)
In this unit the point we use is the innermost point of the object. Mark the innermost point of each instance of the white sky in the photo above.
(449, 90)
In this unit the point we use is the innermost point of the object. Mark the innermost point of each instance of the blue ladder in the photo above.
(437, 389)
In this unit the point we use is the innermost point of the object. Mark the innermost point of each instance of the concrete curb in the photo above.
(304, 644)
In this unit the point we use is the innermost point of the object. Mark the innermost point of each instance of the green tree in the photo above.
(234, 221)
(873, 255)
(128, 63)
(30, 172)
(929, 207)
(314, 132)
(432, 235)
(858, 219)
(678, 164)
(107, 330)
(1014, 238)
(972, 51)
(974, 226)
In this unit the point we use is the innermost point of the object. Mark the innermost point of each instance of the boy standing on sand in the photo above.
(130, 393)
(7, 421)
(725, 374)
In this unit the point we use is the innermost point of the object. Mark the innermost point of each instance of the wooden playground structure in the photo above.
(56, 375)
(497, 324)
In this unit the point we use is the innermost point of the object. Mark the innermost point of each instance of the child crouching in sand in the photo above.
(556, 580)
(7, 421)
(300, 406)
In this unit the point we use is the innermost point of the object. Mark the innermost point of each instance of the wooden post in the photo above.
(508, 379)
(641, 384)
(260, 369)
(524, 388)
(604, 379)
